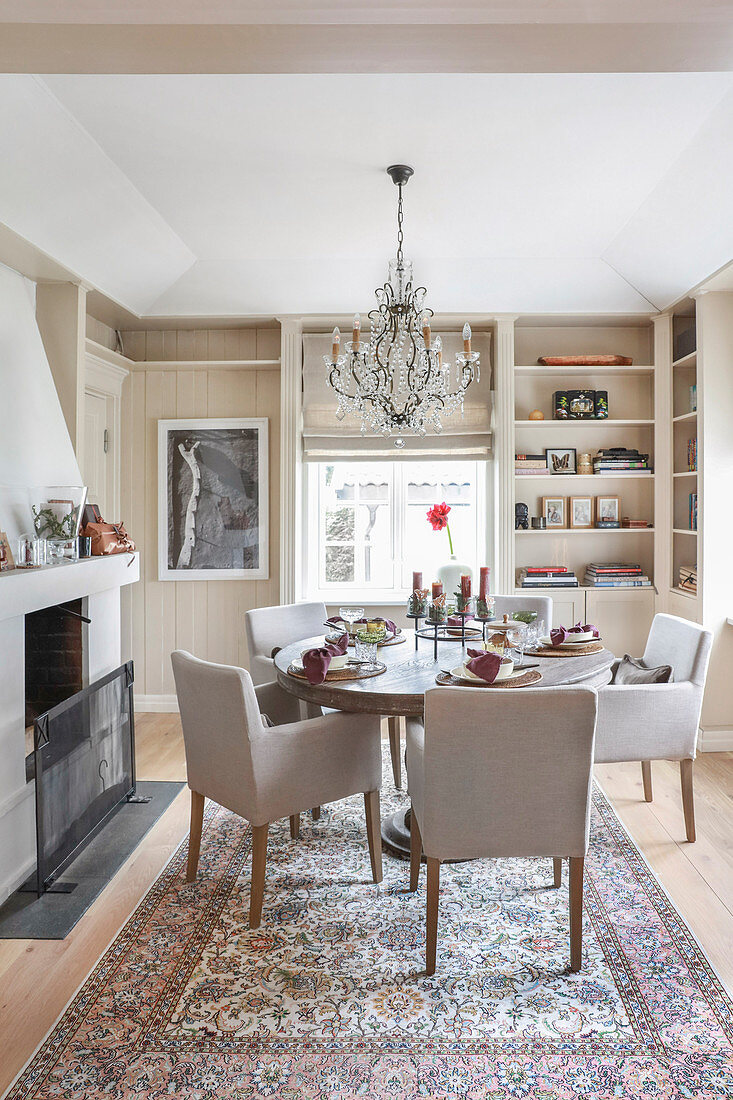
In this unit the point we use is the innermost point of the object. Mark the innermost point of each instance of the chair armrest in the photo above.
(277, 704)
(647, 721)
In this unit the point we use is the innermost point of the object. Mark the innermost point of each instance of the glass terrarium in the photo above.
(56, 511)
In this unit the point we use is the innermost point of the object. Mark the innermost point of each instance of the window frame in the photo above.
(314, 520)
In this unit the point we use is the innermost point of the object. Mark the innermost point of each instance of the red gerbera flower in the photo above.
(438, 516)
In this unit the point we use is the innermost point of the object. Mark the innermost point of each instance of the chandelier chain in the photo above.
(400, 234)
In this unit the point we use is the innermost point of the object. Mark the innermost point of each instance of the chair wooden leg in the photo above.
(415, 851)
(194, 836)
(294, 826)
(688, 803)
(374, 832)
(316, 813)
(557, 872)
(576, 912)
(431, 924)
(393, 725)
(257, 884)
(646, 778)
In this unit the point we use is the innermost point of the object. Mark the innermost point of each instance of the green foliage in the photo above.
(47, 525)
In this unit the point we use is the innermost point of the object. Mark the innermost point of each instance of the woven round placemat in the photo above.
(531, 676)
(353, 672)
(576, 651)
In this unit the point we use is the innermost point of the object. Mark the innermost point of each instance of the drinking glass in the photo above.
(540, 632)
(350, 615)
(365, 651)
(516, 636)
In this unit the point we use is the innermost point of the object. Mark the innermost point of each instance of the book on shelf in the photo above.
(547, 569)
(692, 454)
(535, 576)
(636, 582)
(688, 578)
(635, 524)
(613, 567)
(692, 512)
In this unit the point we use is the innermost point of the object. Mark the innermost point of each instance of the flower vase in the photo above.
(450, 575)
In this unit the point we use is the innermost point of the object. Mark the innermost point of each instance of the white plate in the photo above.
(567, 645)
(458, 674)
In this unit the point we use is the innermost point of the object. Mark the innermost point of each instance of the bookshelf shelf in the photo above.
(583, 477)
(538, 371)
(684, 531)
(685, 473)
(563, 531)
(686, 360)
(604, 425)
(685, 416)
(683, 592)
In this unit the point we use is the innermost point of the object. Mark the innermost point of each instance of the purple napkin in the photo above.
(560, 634)
(335, 619)
(316, 661)
(454, 620)
(485, 665)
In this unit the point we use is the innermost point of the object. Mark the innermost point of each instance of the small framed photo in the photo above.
(580, 512)
(554, 510)
(561, 460)
(6, 554)
(608, 509)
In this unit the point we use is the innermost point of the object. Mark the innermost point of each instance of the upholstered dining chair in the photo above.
(265, 773)
(659, 721)
(501, 773)
(268, 629)
(507, 605)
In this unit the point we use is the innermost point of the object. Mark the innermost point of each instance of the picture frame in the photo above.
(554, 509)
(561, 460)
(608, 509)
(7, 561)
(581, 512)
(213, 499)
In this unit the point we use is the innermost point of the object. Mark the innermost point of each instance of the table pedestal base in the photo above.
(396, 833)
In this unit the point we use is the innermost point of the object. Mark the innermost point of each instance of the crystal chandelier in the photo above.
(399, 382)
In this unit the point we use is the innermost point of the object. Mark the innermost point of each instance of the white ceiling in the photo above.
(256, 194)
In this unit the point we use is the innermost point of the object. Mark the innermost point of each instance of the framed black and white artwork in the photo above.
(212, 499)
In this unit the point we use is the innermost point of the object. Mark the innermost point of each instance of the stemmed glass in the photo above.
(350, 615)
(516, 635)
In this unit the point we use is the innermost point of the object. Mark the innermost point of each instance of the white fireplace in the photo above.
(36, 451)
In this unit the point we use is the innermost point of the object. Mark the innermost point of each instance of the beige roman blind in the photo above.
(325, 437)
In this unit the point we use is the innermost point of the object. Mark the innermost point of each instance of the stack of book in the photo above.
(547, 576)
(692, 515)
(688, 578)
(530, 465)
(634, 523)
(692, 454)
(617, 461)
(616, 574)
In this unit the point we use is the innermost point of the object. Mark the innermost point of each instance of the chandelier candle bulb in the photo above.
(439, 351)
(357, 331)
(335, 343)
(426, 330)
(467, 340)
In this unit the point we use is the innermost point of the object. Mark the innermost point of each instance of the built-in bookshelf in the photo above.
(685, 453)
(624, 614)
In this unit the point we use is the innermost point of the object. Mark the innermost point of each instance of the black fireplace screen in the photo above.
(84, 753)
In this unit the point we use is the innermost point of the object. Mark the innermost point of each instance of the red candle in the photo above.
(416, 581)
(483, 590)
(437, 589)
(465, 585)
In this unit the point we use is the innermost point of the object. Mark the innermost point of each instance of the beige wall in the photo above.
(205, 617)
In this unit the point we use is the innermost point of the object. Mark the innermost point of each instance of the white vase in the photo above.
(450, 575)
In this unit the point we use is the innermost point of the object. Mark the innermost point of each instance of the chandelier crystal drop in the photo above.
(398, 381)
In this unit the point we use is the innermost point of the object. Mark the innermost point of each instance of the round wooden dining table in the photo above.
(400, 689)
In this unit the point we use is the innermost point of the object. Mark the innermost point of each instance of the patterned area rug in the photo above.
(328, 998)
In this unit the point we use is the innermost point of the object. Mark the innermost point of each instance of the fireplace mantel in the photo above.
(26, 590)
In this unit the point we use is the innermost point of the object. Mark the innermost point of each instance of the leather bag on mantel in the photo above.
(108, 538)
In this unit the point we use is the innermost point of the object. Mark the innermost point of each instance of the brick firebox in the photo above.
(53, 658)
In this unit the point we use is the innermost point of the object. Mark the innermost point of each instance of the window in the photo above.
(368, 529)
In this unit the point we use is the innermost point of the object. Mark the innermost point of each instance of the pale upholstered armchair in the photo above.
(267, 773)
(507, 605)
(497, 773)
(270, 628)
(648, 722)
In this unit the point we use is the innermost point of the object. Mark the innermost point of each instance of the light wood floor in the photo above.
(38, 977)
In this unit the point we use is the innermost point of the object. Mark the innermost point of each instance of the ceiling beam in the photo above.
(500, 48)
